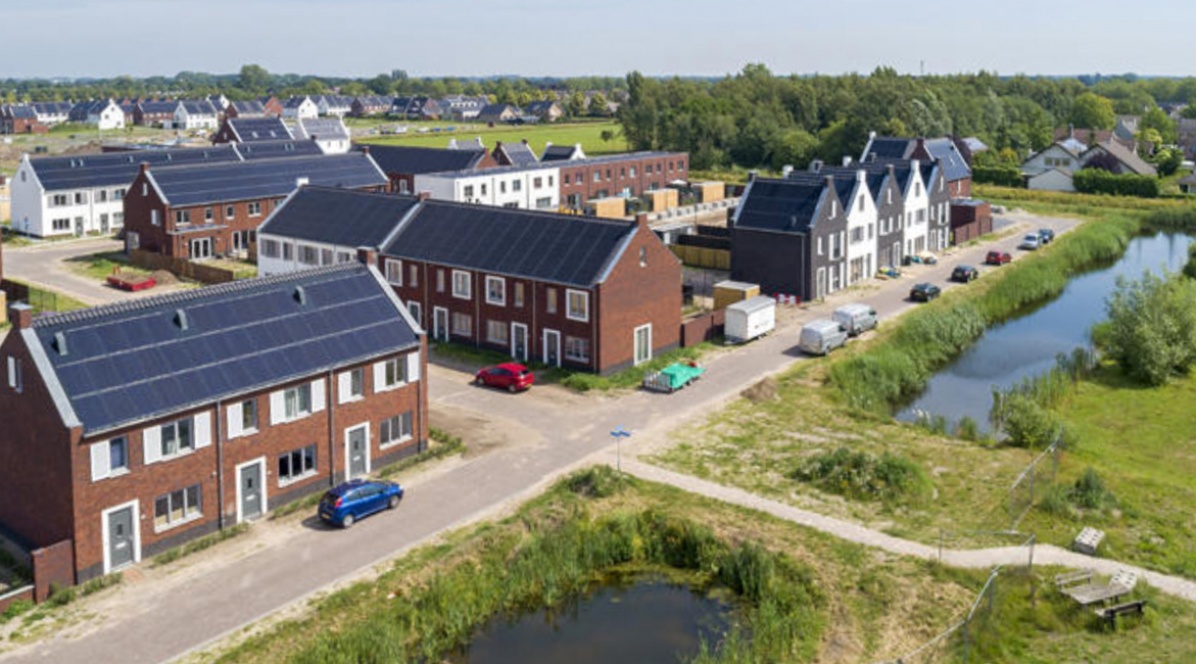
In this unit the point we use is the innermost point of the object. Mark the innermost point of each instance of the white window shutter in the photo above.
(101, 461)
(317, 395)
(151, 443)
(413, 367)
(12, 372)
(379, 376)
(278, 407)
(203, 430)
(344, 384)
(234, 420)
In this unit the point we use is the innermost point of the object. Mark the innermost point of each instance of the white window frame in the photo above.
(584, 316)
(464, 278)
(312, 472)
(344, 385)
(387, 424)
(501, 300)
(399, 367)
(255, 209)
(104, 537)
(394, 271)
(261, 463)
(101, 459)
(195, 515)
(15, 379)
(636, 360)
(415, 310)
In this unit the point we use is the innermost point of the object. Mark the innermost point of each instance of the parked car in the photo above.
(1030, 242)
(924, 292)
(997, 258)
(509, 376)
(855, 318)
(819, 337)
(964, 273)
(347, 503)
(1046, 235)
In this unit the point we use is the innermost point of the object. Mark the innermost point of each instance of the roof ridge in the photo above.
(179, 297)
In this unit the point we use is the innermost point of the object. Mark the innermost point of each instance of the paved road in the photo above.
(554, 432)
(44, 264)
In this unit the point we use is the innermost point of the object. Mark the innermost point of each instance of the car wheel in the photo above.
(478, 381)
(393, 502)
(512, 388)
(347, 521)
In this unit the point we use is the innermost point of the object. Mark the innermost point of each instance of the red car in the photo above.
(997, 258)
(509, 375)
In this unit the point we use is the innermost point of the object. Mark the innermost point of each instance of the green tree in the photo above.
(1151, 331)
(254, 78)
(1157, 119)
(1092, 111)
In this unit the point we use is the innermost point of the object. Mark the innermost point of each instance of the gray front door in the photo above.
(251, 491)
(552, 348)
(357, 452)
(440, 324)
(120, 538)
(519, 341)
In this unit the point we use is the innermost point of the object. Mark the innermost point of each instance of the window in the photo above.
(343, 257)
(462, 325)
(819, 246)
(102, 196)
(468, 191)
(577, 349)
(404, 187)
(144, 189)
(177, 507)
(248, 416)
(61, 224)
(297, 402)
(483, 187)
(414, 309)
(643, 257)
(395, 429)
(270, 248)
(255, 209)
(176, 438)
(857, 234)
(182, 216)
(496, 291)
(325, 257)
(577, 305)
(519, 293)
(537, 183)
(155, 217)
(80, 198)
(544, 203)
(309, 255)
(394, 272)
(230, 212)
(288, 251)
(208, 214)
(502, 187)
(439, 280)
(861, 203)
(888, 196)
(393, 374)
(461, 285)
(14, 374)
(633, 171)
(413, 275)
(109, 458)
(550, 305)
(351, 385)
(297, 464)
(118, 194)
(921, 216)
(517, 185)
(550, 181)
(496, 332)
(597, 176)
(917, 189)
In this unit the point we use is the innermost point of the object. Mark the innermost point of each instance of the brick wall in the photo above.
(53, 566)
(139, 207)
(663, 170)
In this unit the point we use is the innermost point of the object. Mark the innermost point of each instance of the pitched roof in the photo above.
(474, 143)
(413, 160)
(295, 102)
(275, 149)
(322, 128)
(119, 168)
(561, 152)
(784, 205)
(198, 107)
(544, 246)
(516, 154)
(1128, 158)
(159, 107)
(955, 167)
(263, 178)
(251, 107)
(142, 359)
(339, 217)
(249, 130)
(888, 147)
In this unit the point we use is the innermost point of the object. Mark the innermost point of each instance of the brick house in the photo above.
(145, 424)
(237, 129)
(566, 290)
(626, 175)
(245, 109)
(271, 105)
(198, 212)
(155, 113)
(402, 163)
(369, 106)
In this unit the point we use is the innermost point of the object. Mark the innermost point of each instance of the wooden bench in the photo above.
(1109, 614)
(1091, 592)
(1073, 578)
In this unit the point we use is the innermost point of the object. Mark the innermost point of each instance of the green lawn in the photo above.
(589, 134)
(99, 266)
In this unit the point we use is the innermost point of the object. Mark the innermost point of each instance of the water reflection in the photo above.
(1028, 345)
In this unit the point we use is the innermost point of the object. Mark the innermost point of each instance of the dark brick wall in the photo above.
(53, 566)
(671, 167)
(778, 262)
(138, 208)
(969, 222)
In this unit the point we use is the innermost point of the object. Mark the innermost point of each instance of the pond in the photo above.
(636, 619)
(1027, 345)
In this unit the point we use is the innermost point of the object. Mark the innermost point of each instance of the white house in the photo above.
(51, 113)
(1064, 155)
(300, 107)
(533, 187)
(334, 105)
(192, 114)
(917, 211)
(330, 134)
(106, 116)
(861, 231)
(1055, 179)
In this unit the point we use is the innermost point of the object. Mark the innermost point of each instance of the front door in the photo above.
(104, 223)
(79, 226)
(440, 324)
(643, 343)
(201, 248)
(519, 341)
(120, 538)
(132, 241)
(357, 451)
(552, 348)
(251, 491)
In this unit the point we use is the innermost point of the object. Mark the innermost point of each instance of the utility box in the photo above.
(749, 319)
(661, 199)
(730, 292)
(711, 191)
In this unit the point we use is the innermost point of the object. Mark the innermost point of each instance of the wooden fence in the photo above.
(714, 259)
(181, 267)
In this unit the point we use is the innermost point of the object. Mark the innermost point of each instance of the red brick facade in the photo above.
(631, 175)
(40, 457)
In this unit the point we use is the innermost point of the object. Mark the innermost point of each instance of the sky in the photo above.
(363, 38)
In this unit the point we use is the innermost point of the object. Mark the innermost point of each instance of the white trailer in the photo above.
(750, 318)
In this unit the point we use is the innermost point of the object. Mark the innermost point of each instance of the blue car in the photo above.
(345, 504)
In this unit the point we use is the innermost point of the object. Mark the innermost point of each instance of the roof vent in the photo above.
(180, 319)
(60, 343)
(300, 295)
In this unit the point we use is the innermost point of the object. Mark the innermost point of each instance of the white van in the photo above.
(820, 337)
(750, 318)
(855, 318)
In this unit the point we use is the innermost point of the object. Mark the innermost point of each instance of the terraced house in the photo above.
(565, 290)
(202, 211)
(141, 425)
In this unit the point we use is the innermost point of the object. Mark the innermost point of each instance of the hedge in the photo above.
(1097, 181)
(1005, 176)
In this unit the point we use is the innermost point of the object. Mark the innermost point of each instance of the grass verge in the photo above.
(197, 545)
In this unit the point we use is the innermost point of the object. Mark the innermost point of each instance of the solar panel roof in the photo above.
(248, 130)
(124, 363)
(119, 168)
(275, 149)
(263, 178)
(780, 205)
(339, 216)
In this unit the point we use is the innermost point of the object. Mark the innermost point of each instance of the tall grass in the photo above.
(560, 558)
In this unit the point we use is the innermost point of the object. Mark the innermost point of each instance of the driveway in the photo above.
(544, 434)
(44, 264)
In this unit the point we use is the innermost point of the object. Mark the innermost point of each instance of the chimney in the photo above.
(641, 219)
(423, 195)
(752, 175)
(890, 169)
(921, 149)
(786, 170)
(547, 144)
(144, 166)
(871, 135)
(860, 175)
(365, 149)
(846, 161)
(816, 166)
(20, 315)
(302, 182)
(830, 181)
(367, 256)
(525, 141)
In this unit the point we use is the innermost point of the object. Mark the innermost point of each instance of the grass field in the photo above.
(589, 134)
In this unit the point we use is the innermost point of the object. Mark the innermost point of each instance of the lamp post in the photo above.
(619, 434)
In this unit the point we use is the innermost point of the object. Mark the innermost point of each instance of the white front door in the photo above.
(643, 343)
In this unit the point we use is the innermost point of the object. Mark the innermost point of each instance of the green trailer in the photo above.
(673, 377)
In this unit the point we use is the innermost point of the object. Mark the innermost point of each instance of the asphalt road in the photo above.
(45, 264)
(551, 437)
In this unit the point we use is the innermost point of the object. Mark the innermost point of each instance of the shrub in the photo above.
(862, 475)
(60, 596)
(1099, 181)
(1000, 175)
(15, 609)
(1152, 327)
(967, 429)
(1089, 491)
(1026, 423)
(595, 482)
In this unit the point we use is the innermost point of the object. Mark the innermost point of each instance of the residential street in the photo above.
(537, 437)
(43, 264)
